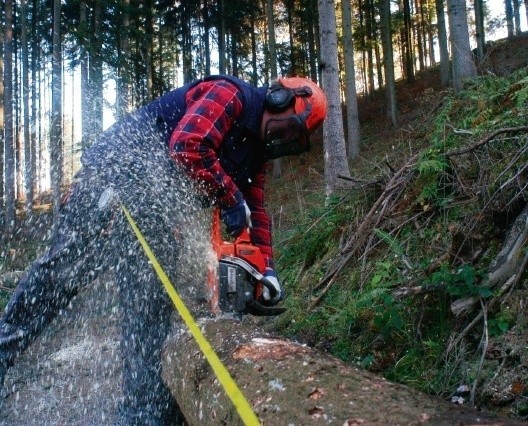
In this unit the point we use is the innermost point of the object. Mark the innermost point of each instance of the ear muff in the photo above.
(279, 98)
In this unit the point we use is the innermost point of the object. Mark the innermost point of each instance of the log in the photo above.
(289, 383)
(507, 264)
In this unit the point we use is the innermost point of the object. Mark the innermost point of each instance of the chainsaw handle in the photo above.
(244, 236)
(267, 283)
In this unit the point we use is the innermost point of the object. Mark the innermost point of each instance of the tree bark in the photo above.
(2, 139)
(388, 61)
(221, 39)
(56, 115)
(408, 57)
(479, 29)
(352, 113)
(445, 68)
(9, 151)
(508, 10)
(289, 383)
(336, 163)
(28, 154)
(463, 63)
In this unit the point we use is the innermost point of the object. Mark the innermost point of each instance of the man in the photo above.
(210, 138)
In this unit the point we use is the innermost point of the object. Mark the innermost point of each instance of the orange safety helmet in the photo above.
(316, 102)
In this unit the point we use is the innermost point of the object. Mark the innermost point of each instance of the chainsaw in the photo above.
(237, 285)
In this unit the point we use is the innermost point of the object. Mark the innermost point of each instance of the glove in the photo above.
(271, 278)
(237, 218)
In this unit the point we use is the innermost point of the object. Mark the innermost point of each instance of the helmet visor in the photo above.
(285, 136)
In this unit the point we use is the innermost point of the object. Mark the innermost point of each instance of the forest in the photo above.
(68, 65)
(400, 237)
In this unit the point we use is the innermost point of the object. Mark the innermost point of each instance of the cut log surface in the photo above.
(287, 383)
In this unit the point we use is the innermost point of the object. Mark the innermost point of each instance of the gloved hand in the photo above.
(236, 218)
(271, 277)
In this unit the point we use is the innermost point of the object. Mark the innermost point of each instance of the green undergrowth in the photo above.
(457, 205)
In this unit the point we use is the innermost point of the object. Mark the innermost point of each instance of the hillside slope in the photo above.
(443, 216)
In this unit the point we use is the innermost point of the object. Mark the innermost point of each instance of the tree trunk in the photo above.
(123, 93)
(293, 61)
(96, 68)
(517, 16)
(28, 154)
(289, 383)
(353, 126)
(336, 163)
(526, 9)
(56, 115)
(479, 29)
(408, 60)
(272, 45)
(9, 151)
(254, 68)
(463, 64)
(388, 61)
(445, 68)
(234, 55)
(418, 31)
(34, 95)
(149, 49)
(508, 9)
(2, 139)
(86, 92)
(312, 39)
(369, 23)
(221, 39)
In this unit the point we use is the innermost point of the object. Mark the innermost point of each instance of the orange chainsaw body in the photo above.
(240, 248)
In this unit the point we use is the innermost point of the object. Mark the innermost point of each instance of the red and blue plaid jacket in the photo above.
(212, 107)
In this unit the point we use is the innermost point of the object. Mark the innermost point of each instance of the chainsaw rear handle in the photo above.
(267, 283)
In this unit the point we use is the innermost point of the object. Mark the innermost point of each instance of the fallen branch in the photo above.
(487, 139)
(485, 339)
(508, 263)
(386, 200)
(508, 285)
(420, 289)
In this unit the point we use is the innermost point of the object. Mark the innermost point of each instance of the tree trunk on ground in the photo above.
(289, 383)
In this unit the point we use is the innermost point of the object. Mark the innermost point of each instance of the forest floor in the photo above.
(71, 374)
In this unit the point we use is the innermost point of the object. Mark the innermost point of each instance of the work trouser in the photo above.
(93, 236)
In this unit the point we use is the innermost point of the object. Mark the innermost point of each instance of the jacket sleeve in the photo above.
(261, 231)
(212, 107)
